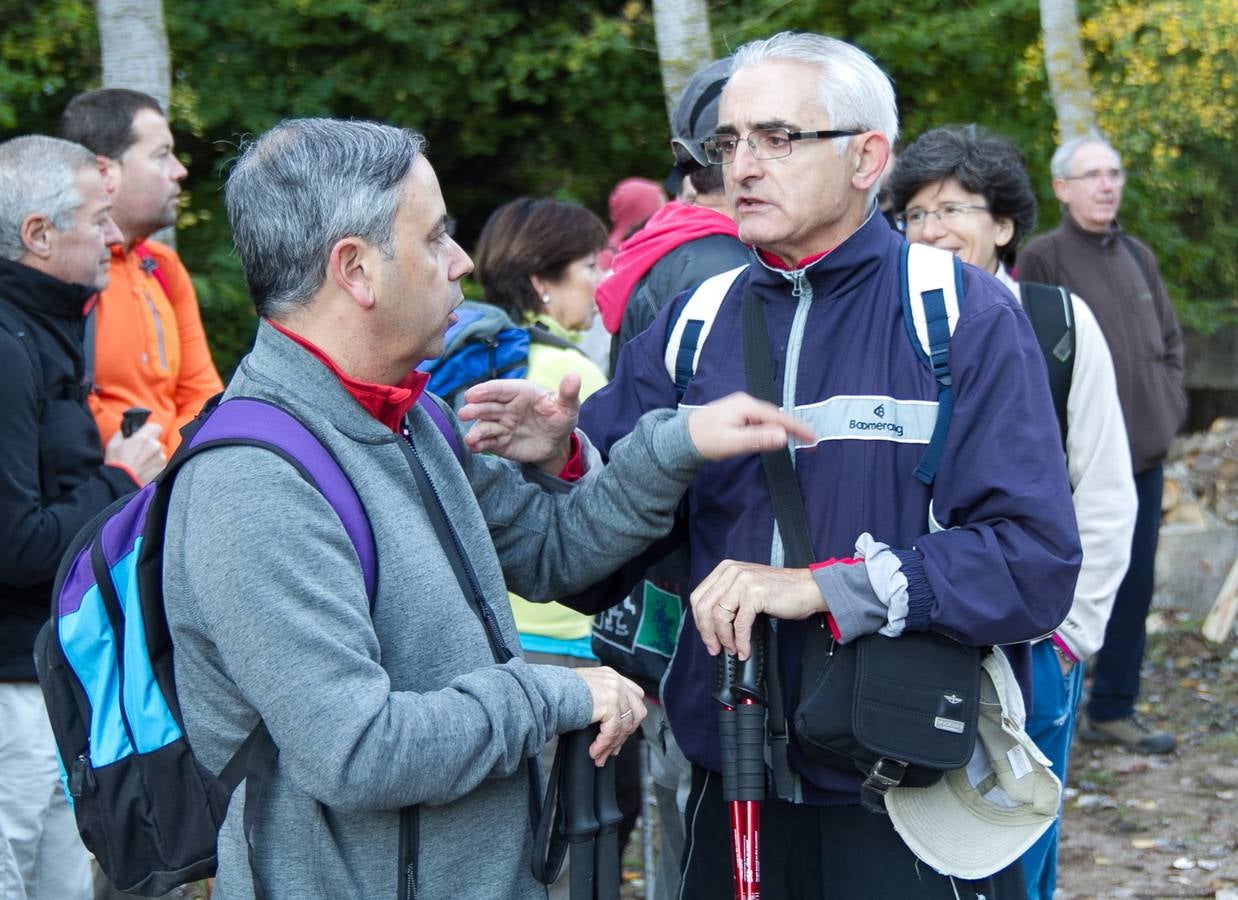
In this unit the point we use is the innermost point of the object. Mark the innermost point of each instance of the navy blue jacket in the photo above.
(1003, 570)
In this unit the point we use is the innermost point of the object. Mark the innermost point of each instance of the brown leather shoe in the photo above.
(1132, 733)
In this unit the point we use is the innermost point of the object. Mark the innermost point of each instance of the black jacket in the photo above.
(52, 476)
(679, 270)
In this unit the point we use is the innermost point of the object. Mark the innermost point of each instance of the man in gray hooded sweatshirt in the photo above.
(401, 735)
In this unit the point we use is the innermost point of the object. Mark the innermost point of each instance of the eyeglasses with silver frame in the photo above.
(765, 143)
(947, 212)
(1093, 176)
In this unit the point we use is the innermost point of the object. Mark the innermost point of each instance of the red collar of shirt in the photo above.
(775, 263)
(388, 403)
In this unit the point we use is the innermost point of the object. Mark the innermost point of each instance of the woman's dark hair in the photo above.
(532, 236)
(982, 163)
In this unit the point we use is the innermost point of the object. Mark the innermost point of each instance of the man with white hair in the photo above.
(403, 720)
(54, 477)
(1116, 274)
(804, 132)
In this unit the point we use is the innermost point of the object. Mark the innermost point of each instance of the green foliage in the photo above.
(47, 49)
(564, 98)
(1163, 75)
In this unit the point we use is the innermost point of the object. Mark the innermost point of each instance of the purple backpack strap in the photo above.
(245, 420)
(430, 405)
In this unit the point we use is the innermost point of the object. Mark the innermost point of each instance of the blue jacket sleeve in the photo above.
(639, 385)
(1003, 569)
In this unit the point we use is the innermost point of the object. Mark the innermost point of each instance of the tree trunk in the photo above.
(682, 29)
(134, 46)
(133, 43)
(1068, 69)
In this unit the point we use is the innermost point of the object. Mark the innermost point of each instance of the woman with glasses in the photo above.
(537, 259)
(962, 189)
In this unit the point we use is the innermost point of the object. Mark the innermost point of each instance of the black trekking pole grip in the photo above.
(739, 686)
(606, 874)
(580, 818)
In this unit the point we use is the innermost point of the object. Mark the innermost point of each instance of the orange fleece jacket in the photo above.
(150, 349)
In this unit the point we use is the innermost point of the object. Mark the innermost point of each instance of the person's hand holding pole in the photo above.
(725, 605)
(618, 705)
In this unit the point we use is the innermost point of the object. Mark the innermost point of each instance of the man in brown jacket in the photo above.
(1117, 275)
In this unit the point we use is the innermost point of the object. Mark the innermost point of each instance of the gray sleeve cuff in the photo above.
(671, 444)
(851, 599)
(576, 701)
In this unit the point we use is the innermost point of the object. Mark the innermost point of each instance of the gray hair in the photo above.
(1059, 166)
(303, 186)
(38, 175)
(854, 93)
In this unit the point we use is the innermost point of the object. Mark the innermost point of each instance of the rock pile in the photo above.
(1201, 478)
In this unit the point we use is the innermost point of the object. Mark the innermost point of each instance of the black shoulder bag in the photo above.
(898, 711)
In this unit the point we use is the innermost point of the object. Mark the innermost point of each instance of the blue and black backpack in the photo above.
(483, 344)
(145, 806)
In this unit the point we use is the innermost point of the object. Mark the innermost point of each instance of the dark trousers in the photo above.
(1115, 669)
(816, 852)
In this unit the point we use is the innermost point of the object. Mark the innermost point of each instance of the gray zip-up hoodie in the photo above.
(407, 707)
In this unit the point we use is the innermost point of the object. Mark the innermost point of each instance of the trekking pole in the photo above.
(646, 822)
(740, 689)
(606, 876)
(580, 824)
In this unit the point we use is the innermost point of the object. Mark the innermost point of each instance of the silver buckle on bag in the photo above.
(885, 774)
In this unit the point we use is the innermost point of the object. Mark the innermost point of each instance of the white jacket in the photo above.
(1098, 461)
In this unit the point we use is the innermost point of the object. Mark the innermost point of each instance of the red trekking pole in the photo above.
(740, 688)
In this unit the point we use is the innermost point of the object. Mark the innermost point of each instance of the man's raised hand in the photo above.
(520, 421)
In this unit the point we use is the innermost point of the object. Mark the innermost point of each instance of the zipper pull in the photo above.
(797, 285)
(81, 778)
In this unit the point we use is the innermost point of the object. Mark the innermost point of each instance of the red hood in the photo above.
(671, 226)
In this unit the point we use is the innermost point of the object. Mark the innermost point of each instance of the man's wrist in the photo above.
(567, 463)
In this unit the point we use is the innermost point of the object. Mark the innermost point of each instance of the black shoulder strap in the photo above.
(779, 473)
(1129, 243)
(792, 526)
(543, 336)
(449, 541)
(1052, 317)
(88, 345)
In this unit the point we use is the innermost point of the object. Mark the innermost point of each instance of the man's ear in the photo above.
(351, 268)
(36, 235)
(110, 170)
(871, 153)
(1059, 189)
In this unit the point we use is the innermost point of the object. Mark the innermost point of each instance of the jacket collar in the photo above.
(1104, 238)
(841, 269)
(281, 370)
(41, 294)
